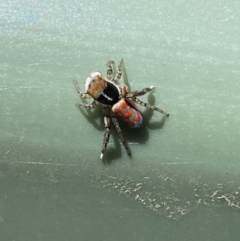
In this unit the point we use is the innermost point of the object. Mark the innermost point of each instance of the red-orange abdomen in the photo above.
(128, 112)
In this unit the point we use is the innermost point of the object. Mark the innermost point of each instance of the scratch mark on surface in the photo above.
(44, 163)
(110, 176)
(8, 133)
(180, 163)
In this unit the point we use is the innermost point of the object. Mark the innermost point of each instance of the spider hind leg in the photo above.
(133, 96)
(120, 135)
(139, 92)
(151, 107)
(87, 106)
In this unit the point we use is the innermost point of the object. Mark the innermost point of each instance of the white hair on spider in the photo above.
(93, 75)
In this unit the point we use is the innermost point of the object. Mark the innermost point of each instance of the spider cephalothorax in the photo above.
(116, 100)
(104, 91)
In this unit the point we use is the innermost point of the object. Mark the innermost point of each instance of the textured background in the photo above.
(182, 182)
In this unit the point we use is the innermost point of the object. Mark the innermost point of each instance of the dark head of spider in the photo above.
(103, 91)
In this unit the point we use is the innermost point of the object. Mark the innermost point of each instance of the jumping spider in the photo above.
(116, 101)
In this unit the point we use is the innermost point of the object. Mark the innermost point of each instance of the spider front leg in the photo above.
(110, 64)
(120, 135)
(82, 95)
(107, 130)
(119, 72)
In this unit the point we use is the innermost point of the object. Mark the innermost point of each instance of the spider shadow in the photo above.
(140, 136)
(147, 113)
(133, 136)
(125, 77)
(95, 117)
(92, 116)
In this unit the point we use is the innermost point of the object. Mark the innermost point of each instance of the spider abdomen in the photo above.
(128, 112)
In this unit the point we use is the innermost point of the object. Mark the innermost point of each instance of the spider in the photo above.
(116, 100)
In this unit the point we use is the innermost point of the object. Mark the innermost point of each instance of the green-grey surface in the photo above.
(182, 182)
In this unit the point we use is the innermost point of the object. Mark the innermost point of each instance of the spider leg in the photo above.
(82, 95)
(151, 107)
(139, 92)
(120, 135)
(87, 106)
(110, 64)
(119, 72)
(107, 131)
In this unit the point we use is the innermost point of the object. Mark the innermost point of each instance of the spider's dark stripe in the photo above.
(110, 95)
